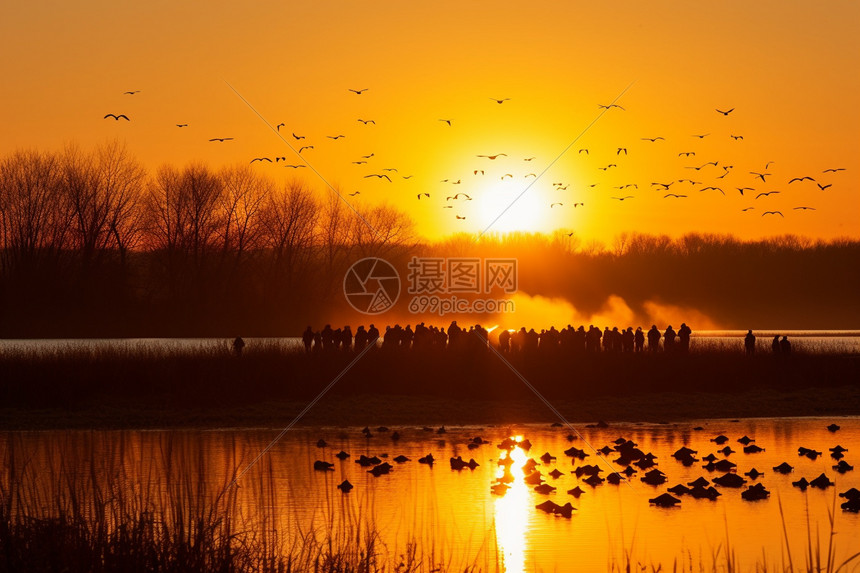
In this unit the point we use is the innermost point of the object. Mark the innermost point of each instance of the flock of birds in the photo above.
(710, 176)
(629, 462)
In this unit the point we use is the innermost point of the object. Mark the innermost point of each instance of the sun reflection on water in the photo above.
(511, 513)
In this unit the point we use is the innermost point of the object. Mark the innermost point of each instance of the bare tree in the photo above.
(241, 203)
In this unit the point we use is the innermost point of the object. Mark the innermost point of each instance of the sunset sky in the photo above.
(789, 70)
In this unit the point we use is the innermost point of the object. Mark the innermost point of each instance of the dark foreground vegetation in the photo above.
(93, 245)
(268, 384)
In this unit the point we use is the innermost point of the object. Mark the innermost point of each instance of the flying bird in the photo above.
(491, 157)
(833, 170)
(424, 194)
(261, 159)
(742, 189)
(117, 117)
(131, 92)
(408, 176)
(221, 139)
(610, 106)
(623, 198)
(575, 205)
(766, 194)
(359, 162)
(354, 194)
(554, 204)
(476, 171)
(747, 208)
(674, 195)
(293, 166)
(366, 121)
(800, 179)
(585, 150)
(804, 209)
(379, 176)
(305, 147)
(181, 125)
(447, 206)
(701, 136)
(712, 188)
(607, 167)
(335, 136)
(368, 156)
(736, 137)
(529, 175)
(389, 169)
(298, 136)
(773, 213)
(358, 92)
(459, 217)
(620, 149)
(823, 187)
(686, 153)
(457, 197)
(500, 101)
(507, 175)
(726, 112)
(280, 125)
(529, 158)
(760, 175)
(652, 139)
(448, 121)
(664, 185)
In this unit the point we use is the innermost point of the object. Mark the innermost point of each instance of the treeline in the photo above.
(92, 244)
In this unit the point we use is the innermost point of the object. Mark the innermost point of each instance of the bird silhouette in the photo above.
(607, 167)
(261, 159)
(690, 181)
(408, 176)
(280, 159)
(448, 121)
(766, 194)
(424, 194)
(447, 206)
(652, 139)
(833, 170)
(805, 209)
(305, 147)
(736, 137)
(742, 189)
(500, 101)
(131, 92)
(575, 205)
(726, 112)
(280, 125)
(335, 136)
(507, 175)
(554, 204)
(529, 158)
(492, 157)
(760, 175)
(823, 187)
(585, 150)
(354, 194)
(360, 162)
(476, 171)
(368, 156)
(455, 197)
(366, 121)
(665, 186)
(773, 213)
(290, 165)
(221, 139)
(703, 136)
(623, 198)
(530, 175)
(377, 175)
(358, 92)
(298, 136)
(620, 149)
(181, 125)
(459, 217)
(601, 106)
(560, 188)
(389, 169)
(747, 208)
(686, 153)
(712, 188)
(768, 164)
(674, 195)
(800, 179)
(117, 117)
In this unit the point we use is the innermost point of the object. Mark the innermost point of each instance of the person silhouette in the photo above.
(749, 343)
(684, 337)
(308, 338)
(653, 338)
(372, 335)
(775, 344)
(669, 339)
(505, 341)
(784, 346)
(238, 346)
(639, 339)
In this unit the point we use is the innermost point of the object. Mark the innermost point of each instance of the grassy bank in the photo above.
(268, 385)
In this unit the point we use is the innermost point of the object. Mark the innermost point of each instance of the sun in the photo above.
(510, 205)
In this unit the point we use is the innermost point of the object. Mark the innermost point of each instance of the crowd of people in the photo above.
(572, 339)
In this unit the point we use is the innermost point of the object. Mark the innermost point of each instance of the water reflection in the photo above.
(511, 511)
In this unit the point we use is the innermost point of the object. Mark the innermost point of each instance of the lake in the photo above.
(450, 518)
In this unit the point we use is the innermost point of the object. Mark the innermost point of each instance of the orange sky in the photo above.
(789, 70)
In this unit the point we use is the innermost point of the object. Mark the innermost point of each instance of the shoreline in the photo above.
(388, 409)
